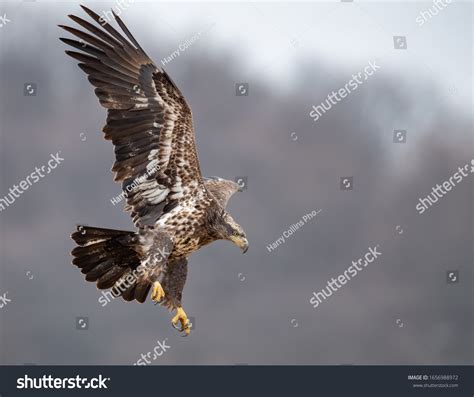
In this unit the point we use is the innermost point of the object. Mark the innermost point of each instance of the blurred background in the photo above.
(251, 77)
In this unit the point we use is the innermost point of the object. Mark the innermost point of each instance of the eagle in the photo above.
(175, 210)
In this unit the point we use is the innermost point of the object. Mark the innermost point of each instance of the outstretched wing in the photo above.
(148, 119)
(221, 189)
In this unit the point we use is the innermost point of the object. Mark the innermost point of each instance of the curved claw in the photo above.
(157, 293)
(175, 326)
(187, 331)
(182, 319)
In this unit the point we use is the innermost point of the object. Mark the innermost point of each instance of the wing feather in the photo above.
(221, 189)
(148, 119)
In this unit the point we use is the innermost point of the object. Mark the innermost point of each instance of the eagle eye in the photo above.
(236, 233)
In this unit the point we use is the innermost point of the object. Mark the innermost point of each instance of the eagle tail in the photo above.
(107, 256)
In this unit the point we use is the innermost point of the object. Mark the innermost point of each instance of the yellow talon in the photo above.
(157, 293)
(183, 319)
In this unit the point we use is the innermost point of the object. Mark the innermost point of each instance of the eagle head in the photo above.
(228, 229)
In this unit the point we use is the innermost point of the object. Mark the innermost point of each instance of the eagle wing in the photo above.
(148, 119)
(221, 189)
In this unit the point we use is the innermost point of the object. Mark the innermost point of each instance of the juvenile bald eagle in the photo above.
(175, 210)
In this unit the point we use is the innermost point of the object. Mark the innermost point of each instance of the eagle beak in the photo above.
(240, 242)
(245, 247)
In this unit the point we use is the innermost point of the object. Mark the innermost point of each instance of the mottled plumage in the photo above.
(175, 210)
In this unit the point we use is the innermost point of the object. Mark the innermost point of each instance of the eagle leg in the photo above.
(182, 318)
(157, 246)
(157, 292)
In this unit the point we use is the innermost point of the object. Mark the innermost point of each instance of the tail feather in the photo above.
(82, 259)
(141, 291)
(129, 293)
(110, 277)
(107, 256)
(86, 235)
(98, 271)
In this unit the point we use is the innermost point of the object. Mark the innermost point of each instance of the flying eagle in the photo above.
(174, 208)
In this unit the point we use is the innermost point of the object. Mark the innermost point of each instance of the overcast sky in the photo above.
(254, 308)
